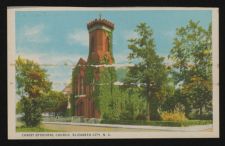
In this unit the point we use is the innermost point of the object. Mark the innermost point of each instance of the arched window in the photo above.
(78, 86)
(81, 110)
(82, 86)
(92, 109)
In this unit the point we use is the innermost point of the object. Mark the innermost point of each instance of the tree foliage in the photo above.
(149, 69)
(192, 66)
(31, 80)
(19, 107)
(31, 83)
(32, 111)
(36, 93)
(133, 106)
(54, 102)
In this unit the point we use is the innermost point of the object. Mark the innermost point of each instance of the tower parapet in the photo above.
(99, 23)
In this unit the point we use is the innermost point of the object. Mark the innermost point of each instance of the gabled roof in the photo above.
(81, 61)
(81, 64)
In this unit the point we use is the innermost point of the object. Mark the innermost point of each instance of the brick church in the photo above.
(100, 47)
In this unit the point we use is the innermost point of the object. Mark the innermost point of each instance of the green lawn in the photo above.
(21, 128)
(34, 129)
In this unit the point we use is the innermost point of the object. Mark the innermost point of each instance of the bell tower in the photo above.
(100, 41)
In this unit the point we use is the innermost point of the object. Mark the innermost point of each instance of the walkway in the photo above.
(72, 127)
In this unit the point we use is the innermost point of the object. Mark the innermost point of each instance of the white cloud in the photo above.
(30, 56)
(34, 30)
(80, 37)
(34, 34)
(121, 58)
(128, 34)
(54, 60)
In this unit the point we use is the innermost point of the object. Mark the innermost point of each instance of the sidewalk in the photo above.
(161, 128)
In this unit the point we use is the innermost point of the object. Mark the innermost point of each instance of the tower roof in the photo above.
(100, 22)
(81, 61)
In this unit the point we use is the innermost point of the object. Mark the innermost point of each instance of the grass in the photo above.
(21, 128)
(34, 129)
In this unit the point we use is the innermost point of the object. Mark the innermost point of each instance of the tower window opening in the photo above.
(82, 86)
(92, 43)
(107, 43)
(78, 86)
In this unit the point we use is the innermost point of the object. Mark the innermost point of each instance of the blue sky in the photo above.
(61, 37)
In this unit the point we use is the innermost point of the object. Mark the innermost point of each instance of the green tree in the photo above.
(31, 83)
(32, 111)
(54, 102)
(192, 67)
(133, 107)
(149, 69)
(19, 107)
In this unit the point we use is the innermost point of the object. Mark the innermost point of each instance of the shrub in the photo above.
(173, 116)
(176, 115)
(32, 112)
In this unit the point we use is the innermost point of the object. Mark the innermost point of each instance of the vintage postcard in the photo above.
(106, 73)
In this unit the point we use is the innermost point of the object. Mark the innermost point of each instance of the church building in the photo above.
(100, 49)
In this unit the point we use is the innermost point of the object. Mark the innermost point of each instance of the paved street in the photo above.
(74, 128)
(124, 128)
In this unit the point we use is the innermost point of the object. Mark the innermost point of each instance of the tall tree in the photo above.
(149, 70)
(31, 83)
(192, 68)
